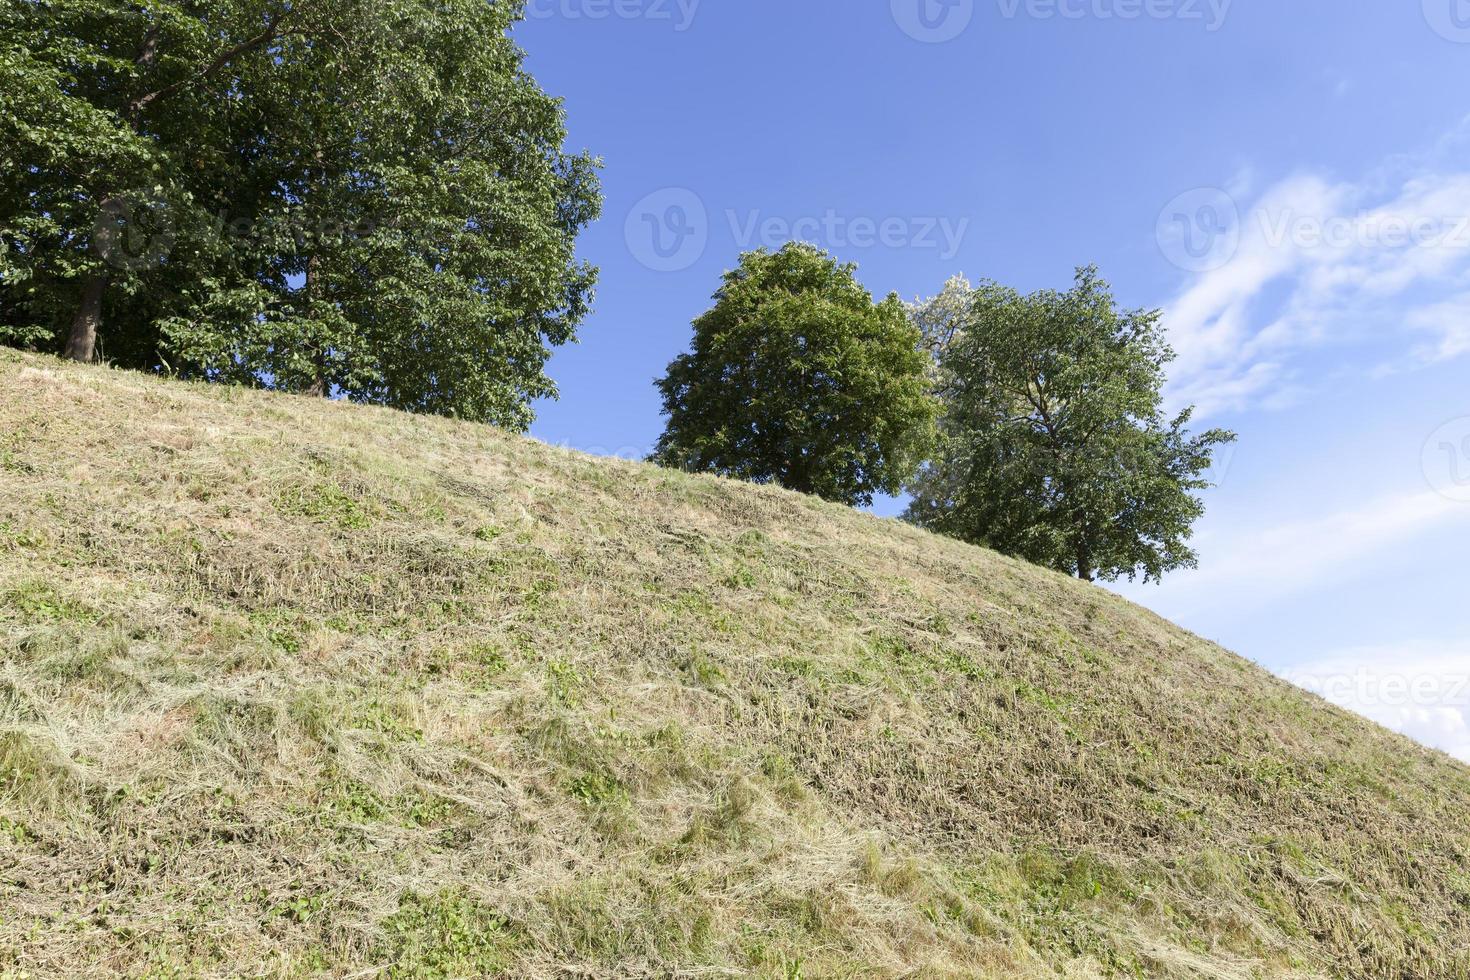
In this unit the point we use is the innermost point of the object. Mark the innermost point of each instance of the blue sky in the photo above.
(1290, 182)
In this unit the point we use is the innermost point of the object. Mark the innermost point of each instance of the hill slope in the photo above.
(299, 688)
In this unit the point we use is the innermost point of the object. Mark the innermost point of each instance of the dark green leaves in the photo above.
(1054, 447)
(362, 197)
(796, 377)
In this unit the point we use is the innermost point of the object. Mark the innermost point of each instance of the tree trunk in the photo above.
(81, 343)
(1084, 564)
(318, 387)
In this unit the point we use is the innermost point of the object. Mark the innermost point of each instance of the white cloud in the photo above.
(1448, 326)
(1299, 552)
(1422, 691)
(1258, 566)
(1322, 263)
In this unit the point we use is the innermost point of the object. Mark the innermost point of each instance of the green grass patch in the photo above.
(327, 503)
(447, 935)
(41, 602)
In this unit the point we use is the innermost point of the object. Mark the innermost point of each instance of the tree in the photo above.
(797, 377)
(367, 198)
(1054, 445)
(117, 120)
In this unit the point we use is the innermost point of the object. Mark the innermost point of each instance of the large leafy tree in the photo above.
(797, 377)
(1055, 447)
(106, 111)
(361, 197)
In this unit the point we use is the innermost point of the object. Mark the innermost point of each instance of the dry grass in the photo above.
(293, 688)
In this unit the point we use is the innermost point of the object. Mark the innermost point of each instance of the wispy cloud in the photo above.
(1312, 263)
(1258, 566)
(1447, 328)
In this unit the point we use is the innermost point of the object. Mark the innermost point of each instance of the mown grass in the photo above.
(291, 688)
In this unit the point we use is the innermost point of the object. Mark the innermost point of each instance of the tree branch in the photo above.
(272, 31)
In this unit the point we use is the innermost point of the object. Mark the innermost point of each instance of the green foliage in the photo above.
(446, 935)
(1054, 444)
(368, 199)
(797, 377)
(598, 789)
(326, 503)
(39, 601)
(76, 150)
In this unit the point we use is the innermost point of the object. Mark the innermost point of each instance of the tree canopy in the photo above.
(797, 377)
(1054, 444)
(359, 197)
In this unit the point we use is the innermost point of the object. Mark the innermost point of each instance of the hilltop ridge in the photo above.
(300, 688)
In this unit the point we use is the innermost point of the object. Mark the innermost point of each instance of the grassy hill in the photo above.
(294, 688)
